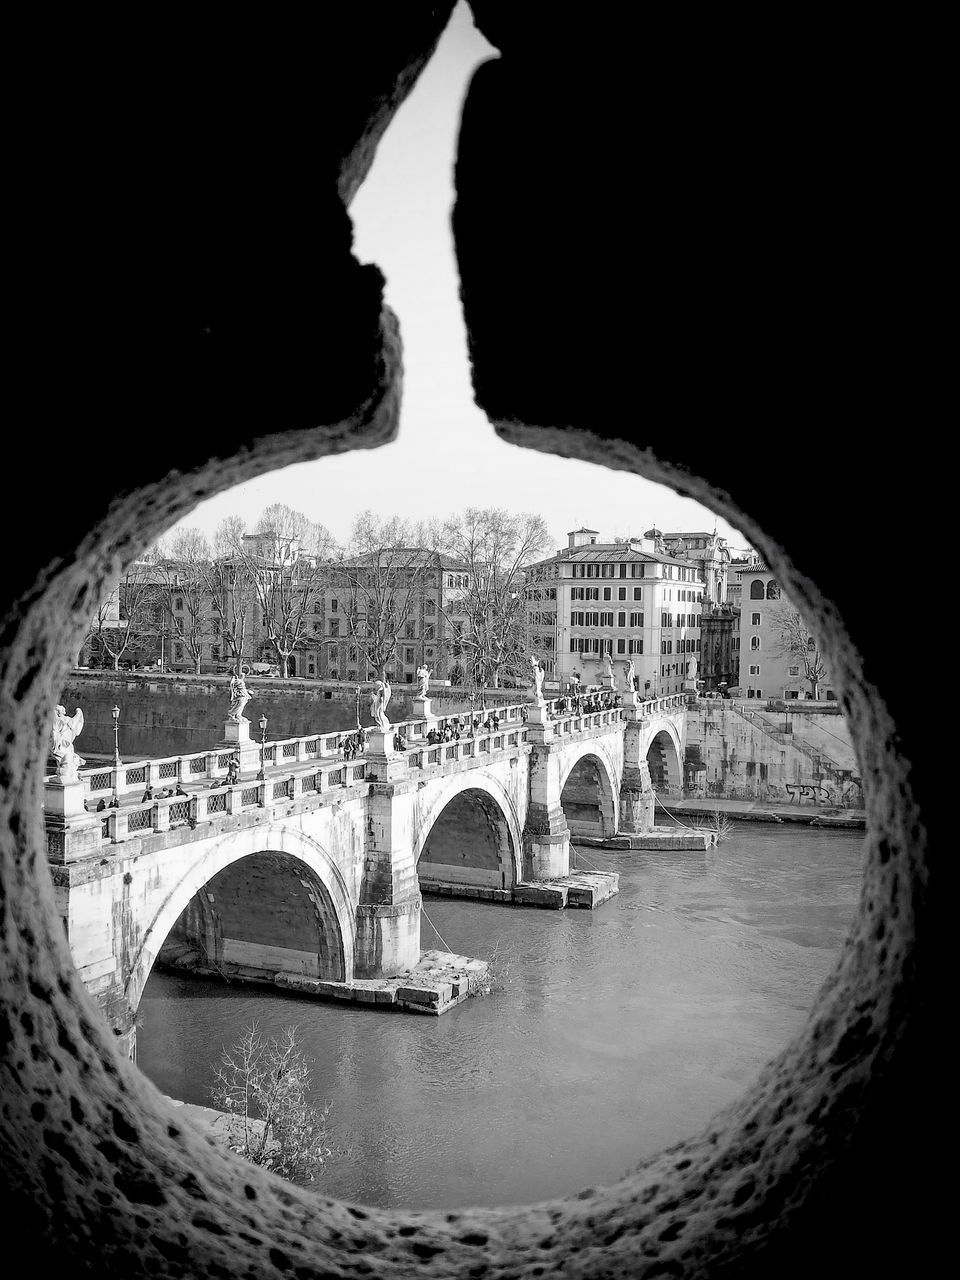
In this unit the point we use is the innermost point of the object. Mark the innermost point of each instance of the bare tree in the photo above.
(185, 570)
(130, 616)
(231, 585)
(495, 547)
(264, 1085)
(386, 576)
(289, 564)
(796, 643)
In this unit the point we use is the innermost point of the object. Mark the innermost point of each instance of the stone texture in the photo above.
(762, 287)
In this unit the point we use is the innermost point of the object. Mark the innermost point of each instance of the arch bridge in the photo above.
(317, 867)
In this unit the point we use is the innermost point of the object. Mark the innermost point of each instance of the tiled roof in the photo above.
(614, 555)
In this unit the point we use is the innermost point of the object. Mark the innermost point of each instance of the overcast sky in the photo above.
(446, 456)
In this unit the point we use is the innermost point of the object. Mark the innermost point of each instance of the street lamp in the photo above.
(263, 739)
(116, 741)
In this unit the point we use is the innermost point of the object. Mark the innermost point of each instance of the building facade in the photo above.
(626, 599)
(767, 670)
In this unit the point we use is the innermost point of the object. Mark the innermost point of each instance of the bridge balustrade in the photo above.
(164, 813)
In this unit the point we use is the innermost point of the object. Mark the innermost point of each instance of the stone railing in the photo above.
(311, 766)
(205, 767)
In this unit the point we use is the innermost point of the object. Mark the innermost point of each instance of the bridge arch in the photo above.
(320, 876)
(662, 749)
(479, 800)
(590, 789)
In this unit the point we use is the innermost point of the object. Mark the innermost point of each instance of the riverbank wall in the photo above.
(795, 757)
(168, 715)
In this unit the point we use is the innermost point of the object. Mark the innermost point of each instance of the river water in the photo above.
(609, 1035)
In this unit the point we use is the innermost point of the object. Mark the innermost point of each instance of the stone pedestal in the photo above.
(608, 682)
(630, 704)
(72, 833)
(383, 761)
(422, 710)
(236, 738)
(63, 800)
(538, 721)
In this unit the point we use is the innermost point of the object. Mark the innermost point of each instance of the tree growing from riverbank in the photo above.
(263, 1085)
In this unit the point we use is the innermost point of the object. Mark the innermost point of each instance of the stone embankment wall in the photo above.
(751, 753)
(175, 715)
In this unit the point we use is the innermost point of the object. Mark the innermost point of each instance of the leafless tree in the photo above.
(385, 575)
(289, 565)
(264, 1085)
(185, 571)
(130, 616)
(795, 642)
(496, 547)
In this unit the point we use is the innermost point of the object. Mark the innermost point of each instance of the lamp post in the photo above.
(116, 740)
(263, 739)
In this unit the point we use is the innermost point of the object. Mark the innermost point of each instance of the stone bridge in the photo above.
(316, 867)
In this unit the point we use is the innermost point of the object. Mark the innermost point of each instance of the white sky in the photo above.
(446, 456)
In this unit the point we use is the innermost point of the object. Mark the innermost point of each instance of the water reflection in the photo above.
(615, 1032)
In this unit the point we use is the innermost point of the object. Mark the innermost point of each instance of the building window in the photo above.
(636, 619)
(607, 592)
(636, 646)
(430, 607)
(755, 668)
(334, 626)
(622, 591)
(754, 642)
(606, 619)
(621, 646)
(638, 593)
(334, 605)
(756, 590)
(773, 591)
(408, 655)
(178, 603)
(754, 619)
(621, 619)
(793, 671)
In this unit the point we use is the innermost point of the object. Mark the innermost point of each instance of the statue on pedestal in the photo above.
(538, 675)
(692, 669)
(607, 661)
(378, 703)
(423, 675)
(65, 729)
(629, 675)
(239, 696)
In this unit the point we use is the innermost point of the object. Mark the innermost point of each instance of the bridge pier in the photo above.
(546, 836)
(637, 799)
(388, 915)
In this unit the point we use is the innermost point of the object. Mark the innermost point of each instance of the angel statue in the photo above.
(239, 696)
(378, 703)
(692, 669)
(423, 675)
(65, 729)
(607, 664)
(629, 673)
(538, 674)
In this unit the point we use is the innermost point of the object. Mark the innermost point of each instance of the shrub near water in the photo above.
(262, 1085)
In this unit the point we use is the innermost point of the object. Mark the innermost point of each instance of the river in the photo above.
(609, 1034)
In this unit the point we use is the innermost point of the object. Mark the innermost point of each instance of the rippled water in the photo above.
(615, 1032)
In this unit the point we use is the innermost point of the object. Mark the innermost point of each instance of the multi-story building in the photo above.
(423, 590)
(627, 598)
(710, 552)
(766, 669)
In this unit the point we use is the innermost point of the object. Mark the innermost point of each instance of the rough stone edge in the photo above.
(103, 1124)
